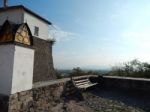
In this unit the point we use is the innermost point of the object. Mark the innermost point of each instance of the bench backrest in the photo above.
(81, 81)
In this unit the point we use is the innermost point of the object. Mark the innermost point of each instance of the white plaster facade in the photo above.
(15, 16)
(19, 16)
(6, 68)
(16, 69)
(32, 22)
(22, 69)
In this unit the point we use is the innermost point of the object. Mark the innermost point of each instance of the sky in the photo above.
(95, 34)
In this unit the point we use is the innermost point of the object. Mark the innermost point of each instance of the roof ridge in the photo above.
(27, 10)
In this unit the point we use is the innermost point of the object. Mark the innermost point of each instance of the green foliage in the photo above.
(52, 41)
(58, 74)
(79, 72)
(134, 68)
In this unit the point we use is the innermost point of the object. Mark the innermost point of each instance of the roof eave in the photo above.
(27, 10)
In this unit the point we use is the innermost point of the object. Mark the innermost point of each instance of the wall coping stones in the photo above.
(56, 81)
(127, 78)
(50, 82)
(85, 76)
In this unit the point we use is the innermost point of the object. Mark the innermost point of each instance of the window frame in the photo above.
(36, 31)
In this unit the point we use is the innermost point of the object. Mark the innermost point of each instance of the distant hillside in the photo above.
(98, 71)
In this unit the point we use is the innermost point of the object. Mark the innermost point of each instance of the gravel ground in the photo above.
(100, 101)
(99, 104)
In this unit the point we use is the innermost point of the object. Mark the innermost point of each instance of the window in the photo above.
(36, 31)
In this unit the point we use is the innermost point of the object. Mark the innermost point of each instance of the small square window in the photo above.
(36, 31)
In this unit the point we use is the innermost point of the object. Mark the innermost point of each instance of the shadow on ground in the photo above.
(128, 97)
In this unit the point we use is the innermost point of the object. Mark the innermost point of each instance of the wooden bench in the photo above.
(82, 82)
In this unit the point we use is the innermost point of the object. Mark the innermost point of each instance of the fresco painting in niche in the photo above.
(22, 35)
(6, 33)
(11, 32)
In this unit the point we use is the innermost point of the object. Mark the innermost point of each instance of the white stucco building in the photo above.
(23, 49)
(20, 14)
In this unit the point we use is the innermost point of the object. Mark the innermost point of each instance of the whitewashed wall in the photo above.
(15, 16)
(16, 69)
(33, 21)
(23, 69)
(6, 68)
(19, 16)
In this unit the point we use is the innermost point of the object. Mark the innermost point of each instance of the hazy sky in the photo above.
(96, 33)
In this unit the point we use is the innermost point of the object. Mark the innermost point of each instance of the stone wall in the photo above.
(126, 83)
(50, 99)
(40, 99)
(43, 60)
(51, 96)
(21, 102)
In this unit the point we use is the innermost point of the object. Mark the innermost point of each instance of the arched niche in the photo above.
(23, 35)
(6, 32)
(18, 33)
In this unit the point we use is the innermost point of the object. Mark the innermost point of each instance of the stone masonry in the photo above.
(42, 99)
(43, 60)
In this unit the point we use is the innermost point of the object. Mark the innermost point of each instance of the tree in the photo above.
(77, 71)
(133, 68)
(58, 74)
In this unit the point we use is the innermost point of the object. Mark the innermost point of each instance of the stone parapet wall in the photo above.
(48, 97)
(51, 96)
(21, 102)
(42, 98)
(113, 82)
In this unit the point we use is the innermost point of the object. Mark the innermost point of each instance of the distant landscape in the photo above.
(133, 68)
(78, 71)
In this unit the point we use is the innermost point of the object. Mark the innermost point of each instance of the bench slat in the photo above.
(86, 86)
(82, 83)
(83, 80)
